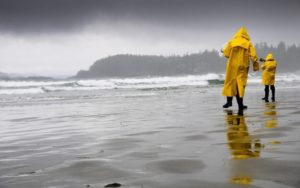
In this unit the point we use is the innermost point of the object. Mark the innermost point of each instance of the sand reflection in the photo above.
(240, 143)
(241, 146)
(271, 114)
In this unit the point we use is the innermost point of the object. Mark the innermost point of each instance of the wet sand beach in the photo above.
(168, 138)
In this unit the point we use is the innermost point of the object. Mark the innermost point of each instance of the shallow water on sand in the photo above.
(149, 138)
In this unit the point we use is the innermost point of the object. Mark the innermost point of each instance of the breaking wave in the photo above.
(35, 87)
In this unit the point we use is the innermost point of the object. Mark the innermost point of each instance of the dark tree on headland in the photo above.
(191, 64)
(287, 57)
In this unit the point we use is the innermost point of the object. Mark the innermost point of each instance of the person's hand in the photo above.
(262, 60)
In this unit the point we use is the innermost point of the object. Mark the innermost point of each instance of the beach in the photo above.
(165, 137)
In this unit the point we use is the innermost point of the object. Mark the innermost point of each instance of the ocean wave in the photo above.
(279, 78)
(21, 91)
(35, 87)
(17, 84)
(288, 78)
(67, 88)
(31, 87)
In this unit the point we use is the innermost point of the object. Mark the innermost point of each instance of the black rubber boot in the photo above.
(266, 98)
(273, 93)
(240, 102)
(229, 102)
(240, 112)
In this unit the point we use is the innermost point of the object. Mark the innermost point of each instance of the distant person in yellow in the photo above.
(268, 76)
(238, 51)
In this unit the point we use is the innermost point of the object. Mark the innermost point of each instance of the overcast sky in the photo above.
(59, 37)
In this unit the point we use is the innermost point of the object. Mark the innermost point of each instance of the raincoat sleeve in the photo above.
(263, 66)
(254, 58)
(226, 50)
(272, 68)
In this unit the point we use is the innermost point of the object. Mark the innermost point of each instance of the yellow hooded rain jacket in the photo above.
(269, 70)
(238, 51)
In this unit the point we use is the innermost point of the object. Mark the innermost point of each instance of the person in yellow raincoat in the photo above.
(268, 76)
(238, 51)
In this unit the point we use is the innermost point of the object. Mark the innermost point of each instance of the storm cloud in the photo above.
(34, 16)
(37, 36)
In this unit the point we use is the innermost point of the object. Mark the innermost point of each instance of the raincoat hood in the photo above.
(269, 57)
(242, 33)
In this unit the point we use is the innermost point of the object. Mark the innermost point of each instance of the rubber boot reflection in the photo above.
(239, 140)
(241, 146)
(271, 115)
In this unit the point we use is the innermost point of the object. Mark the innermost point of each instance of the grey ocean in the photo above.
(147, 132)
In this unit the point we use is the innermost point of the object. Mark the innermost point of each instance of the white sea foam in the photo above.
(15, 84)
(288, 78)
(21, 91)
(279, 78)
(33, 87)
